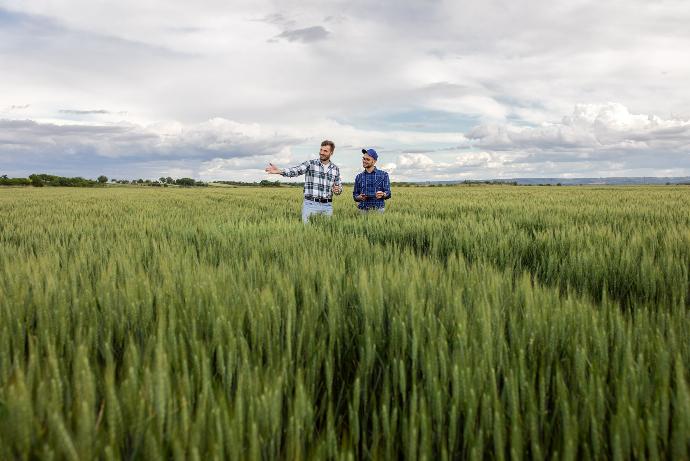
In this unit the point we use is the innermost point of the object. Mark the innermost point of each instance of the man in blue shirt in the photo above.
(372, 186)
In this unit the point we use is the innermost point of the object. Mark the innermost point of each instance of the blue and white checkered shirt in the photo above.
(370, 183)
(318, 179)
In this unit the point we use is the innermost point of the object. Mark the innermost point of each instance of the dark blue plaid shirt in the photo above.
(370, 183)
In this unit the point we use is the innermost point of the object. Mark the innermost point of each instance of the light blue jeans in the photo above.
(309, 208)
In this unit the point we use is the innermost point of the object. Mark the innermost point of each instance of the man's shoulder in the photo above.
(333, 169)
(309, 164)
(316, 161)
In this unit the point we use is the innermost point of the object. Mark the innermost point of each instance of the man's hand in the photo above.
(361, 197)
(380, 194)
(272, 169)
(336, 189)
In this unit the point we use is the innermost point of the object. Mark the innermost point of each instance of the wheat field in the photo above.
(484, 322)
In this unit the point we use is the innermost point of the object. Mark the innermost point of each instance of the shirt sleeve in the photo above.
(386, 186)
(337, 182)
(296, 170)
(357, 189)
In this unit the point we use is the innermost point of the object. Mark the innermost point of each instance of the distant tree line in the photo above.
(50, 180)
(467, 182)
(496, 182)
(262, 183)
(5, 181)
(162, 182)
(40, 180)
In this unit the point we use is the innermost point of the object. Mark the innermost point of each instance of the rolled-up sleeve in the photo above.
(386, 186)
(337, 182)
(296, 170)
(358, 189)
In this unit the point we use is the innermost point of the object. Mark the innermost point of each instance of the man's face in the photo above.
(325, 153)
(367, 161)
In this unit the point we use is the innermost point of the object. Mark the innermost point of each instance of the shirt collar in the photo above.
(329, 166)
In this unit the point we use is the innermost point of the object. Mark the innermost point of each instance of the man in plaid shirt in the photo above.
(321, 181)
(372, 186)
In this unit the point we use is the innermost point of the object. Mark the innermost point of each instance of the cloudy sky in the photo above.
(442, 89)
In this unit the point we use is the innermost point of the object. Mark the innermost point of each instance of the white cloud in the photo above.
(173, 139)
(410, 161)
(590, 127)
(242, 168)
(594, 140)
(474, 159)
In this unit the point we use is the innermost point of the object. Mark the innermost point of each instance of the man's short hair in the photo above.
(329, 143)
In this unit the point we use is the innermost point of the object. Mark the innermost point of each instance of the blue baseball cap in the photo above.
(371, 153)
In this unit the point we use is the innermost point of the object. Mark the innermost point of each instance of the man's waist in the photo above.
(372, 198)
(313, 198)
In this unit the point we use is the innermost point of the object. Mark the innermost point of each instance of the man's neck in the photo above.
(325, 163)
(370, 169)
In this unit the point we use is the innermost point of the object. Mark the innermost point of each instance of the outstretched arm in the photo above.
(289, 172)
(272, 169)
